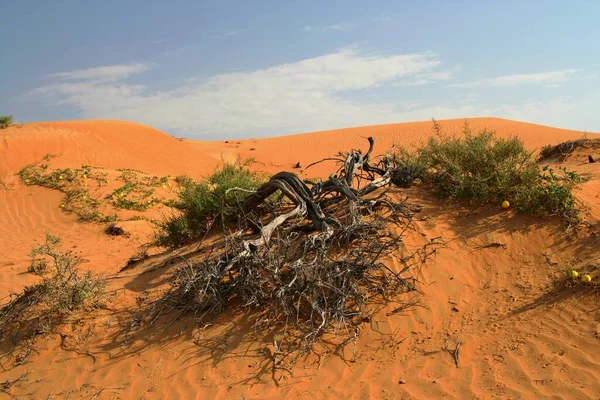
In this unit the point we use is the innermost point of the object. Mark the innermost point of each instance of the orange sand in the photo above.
(516, 342)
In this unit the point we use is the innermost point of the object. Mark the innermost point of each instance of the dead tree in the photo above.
(317, 263)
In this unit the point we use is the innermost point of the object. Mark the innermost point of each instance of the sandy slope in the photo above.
(517, 341)
(282, 153)
(109, 144)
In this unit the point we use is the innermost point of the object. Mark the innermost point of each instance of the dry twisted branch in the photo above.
(332, 276)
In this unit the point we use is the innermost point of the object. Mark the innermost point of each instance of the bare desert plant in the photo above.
(40, 308)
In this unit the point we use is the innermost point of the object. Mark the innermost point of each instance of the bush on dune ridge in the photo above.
(484, 168)
(6, 121)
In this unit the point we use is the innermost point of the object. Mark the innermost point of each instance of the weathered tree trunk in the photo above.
(307, 199)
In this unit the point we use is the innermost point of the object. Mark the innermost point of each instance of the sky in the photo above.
(227, 69)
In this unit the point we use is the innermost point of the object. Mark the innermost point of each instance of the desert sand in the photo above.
(489, 288)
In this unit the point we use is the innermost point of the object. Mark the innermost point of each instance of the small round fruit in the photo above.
(505, 204)
(586, 278)
(574, 274)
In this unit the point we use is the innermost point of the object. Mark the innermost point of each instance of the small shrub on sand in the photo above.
(562, 151)
(43, 306)
(6, 121)
(484, 168)
(407, 168)
(201, 204)
(550, 194)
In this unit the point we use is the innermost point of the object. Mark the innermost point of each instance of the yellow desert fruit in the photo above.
(505, 204)
(586, 278)
(574, 274)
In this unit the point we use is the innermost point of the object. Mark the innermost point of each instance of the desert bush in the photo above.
(407, 167)
(562, 151)
(43, 306)
(481, 167)
(6, 121)
(484, 168)
(551, 194)
(201, 204)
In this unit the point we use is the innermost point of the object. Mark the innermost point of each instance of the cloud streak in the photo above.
(300, 96)
(327, 28)
(334, 90)
(106, 73)
(540, 78)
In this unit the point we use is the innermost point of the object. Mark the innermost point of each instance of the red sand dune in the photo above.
(108, 144)
(516, 342)
(284, 152)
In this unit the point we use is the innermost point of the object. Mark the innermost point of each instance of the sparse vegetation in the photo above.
(484, 168)
(203, 203)
(73, 183)
(42, 307)
(6, 121)
(562, 151)
(137, 193)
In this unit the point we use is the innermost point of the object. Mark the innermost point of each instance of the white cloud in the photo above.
(326, 28)
(539, 78)
(109, 72)
(230, 33)
(324, 92)
(236, 32)
(294, 97)
(427, 78)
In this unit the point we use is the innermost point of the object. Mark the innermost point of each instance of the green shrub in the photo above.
(481, 167)
(551, 194)
(407, 167)
(43, 306)
(6, 121)
(202, 204)
(484, 168)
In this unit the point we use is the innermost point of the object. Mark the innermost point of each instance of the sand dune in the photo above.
(108, 144)
(516, 340)
(274, 154)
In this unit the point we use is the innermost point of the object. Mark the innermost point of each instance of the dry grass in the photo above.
(40, 308)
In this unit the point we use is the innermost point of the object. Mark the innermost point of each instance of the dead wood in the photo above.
(314, 262)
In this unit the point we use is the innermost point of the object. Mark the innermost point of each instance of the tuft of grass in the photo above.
(202, 204)
(39, 267)
(6, 121)
(484, 169)
(42, 307)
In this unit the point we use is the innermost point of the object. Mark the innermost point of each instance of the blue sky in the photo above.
(257, 68)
